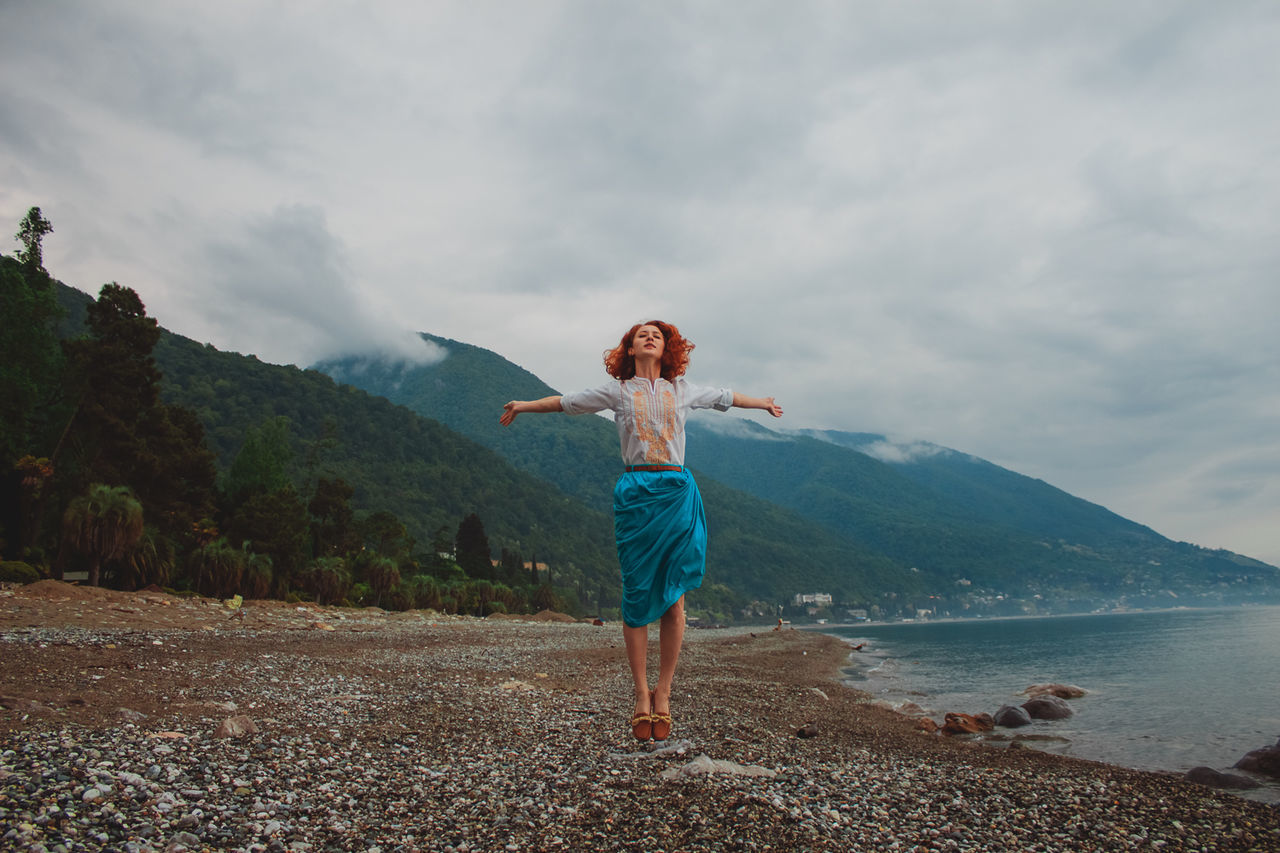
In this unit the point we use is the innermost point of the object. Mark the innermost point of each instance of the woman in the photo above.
(659, 523)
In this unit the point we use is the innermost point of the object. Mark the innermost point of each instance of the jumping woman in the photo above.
(658, 520)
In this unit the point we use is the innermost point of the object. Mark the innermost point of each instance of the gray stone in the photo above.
(236, 726)
(186, 839)
(1265, 761)
(1062, 691)
(1012, 716)
(1215, 779)
(1047, 707)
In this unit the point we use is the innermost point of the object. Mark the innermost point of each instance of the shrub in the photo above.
(16, 571)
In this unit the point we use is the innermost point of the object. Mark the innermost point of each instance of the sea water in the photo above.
(1167, 690)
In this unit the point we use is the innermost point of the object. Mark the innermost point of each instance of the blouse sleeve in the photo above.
(606, 396)
(702, 397)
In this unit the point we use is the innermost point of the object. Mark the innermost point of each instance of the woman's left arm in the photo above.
(742, 401)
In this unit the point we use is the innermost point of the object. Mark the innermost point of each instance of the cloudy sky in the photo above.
(1042, 233)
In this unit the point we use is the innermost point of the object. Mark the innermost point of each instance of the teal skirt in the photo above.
(661, 530)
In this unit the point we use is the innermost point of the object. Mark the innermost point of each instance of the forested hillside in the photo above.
(147, 458)
(142, 457)
(416, 472)
(956, 516)
(969, 533)
(759, 549)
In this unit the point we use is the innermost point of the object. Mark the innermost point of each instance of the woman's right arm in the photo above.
(516, 407)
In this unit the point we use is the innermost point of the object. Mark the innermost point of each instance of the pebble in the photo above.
(411, 739)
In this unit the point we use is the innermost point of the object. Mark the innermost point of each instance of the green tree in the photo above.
(276, 524)
(117, 385)
(332, 519)
(381, 573)
(149, 562)
(31, 404)
(102, 525)
(30, 361)
(177, 473)
(383, 533)
(424, 591)
(216, 568)
(262, 465)
(471, 548)
(545, 598)
(258, 575)
(328, 579)
(511, 565)
(121, 432)
(31, 233)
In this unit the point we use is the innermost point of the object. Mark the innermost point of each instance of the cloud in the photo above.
(733, 427)
(284, 277)
(901, 453)
(1041, 234)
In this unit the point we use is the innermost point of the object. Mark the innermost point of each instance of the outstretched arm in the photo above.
(742, 401)
(515, 407)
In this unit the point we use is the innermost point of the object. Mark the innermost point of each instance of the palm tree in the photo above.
(217, 568)
(103, 524)
(425, 591)
(257, 574)
(382, 573)
(147, 563)
(328, 579)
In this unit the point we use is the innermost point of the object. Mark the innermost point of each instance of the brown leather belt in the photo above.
(631, 468)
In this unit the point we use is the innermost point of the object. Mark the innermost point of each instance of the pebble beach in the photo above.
(150, 722)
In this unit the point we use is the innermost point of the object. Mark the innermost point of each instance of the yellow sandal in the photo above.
(661, 723)
(642, 724)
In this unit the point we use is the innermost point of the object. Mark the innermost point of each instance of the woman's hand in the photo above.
(742, 401)
(515, 407)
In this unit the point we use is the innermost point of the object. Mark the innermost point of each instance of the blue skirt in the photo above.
(661, 531)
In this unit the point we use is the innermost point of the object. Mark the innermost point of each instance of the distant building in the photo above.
(857, 614)
(813, 599)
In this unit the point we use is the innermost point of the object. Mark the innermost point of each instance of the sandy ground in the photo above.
(466, 734)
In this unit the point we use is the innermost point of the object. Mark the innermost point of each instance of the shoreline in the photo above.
(1120, 726)
(424, 732)
(946, 620)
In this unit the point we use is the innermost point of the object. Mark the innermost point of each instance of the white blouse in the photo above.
(650, 417)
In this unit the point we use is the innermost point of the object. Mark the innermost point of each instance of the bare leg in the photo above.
(670, 639)
(637, 642)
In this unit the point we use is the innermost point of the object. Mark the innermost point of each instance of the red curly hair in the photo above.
(675, 354)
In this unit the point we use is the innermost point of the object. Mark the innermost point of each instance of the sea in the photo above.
(1167, 690)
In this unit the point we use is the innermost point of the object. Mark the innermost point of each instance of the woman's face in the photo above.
(648, 343)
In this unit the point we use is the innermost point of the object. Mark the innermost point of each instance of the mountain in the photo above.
(955, 516)
(422, 472)
(758, 548)
(919, 519)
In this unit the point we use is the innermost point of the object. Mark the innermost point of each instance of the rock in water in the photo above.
(1215, 779)
(1265, 761)
(1011, 717)
(967, 724)
(1062, 691)
(1047, 707)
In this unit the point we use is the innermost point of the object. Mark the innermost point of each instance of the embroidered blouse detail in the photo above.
(650, 416)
